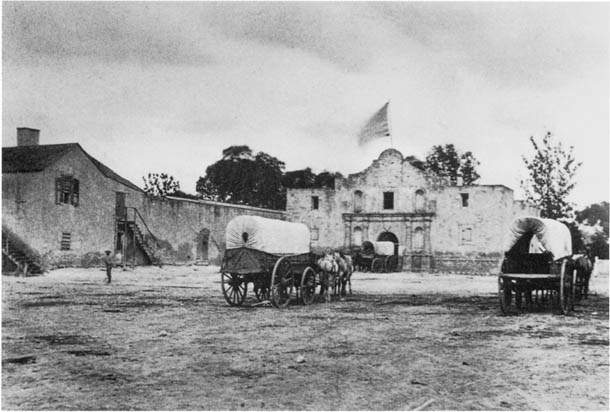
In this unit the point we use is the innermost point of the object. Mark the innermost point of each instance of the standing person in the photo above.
(109, 262)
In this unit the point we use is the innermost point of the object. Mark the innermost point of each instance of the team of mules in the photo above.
(336, 270)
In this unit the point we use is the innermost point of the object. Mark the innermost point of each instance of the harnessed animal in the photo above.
(329, 271)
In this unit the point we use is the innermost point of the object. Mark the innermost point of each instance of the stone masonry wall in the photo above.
(463, 236)
(180, 225)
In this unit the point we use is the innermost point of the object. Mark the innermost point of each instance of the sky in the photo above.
(166, 86)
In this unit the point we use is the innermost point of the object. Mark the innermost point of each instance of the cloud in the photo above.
(510, 44)
(108, 32)
(337, 33)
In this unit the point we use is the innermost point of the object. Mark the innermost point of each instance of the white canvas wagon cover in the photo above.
(380, 248)
(552, 235)
(267, 235)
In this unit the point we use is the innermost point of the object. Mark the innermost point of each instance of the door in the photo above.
(120, 205)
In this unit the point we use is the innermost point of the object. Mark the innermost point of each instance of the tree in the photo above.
(326, 179)
(299, 179)
(594, 214)
(160, 184)
(446, 164)
(594, 227)
(244, 178)
(551, 177)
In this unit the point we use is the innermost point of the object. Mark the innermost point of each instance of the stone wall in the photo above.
(183, 225)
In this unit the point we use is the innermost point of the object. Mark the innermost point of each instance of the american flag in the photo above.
(377, 126)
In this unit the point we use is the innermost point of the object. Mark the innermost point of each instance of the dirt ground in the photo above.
(165, 339)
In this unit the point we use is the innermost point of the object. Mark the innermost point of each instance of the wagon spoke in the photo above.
(308, 285)
(234, 288)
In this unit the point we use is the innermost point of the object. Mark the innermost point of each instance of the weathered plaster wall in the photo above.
(180, 225)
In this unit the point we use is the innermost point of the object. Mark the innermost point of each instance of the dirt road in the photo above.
(165, 339)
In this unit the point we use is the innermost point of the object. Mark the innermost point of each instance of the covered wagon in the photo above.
(537, 264)
(377, 257)
(272, 255)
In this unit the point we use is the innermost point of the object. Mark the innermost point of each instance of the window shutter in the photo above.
(75, 192)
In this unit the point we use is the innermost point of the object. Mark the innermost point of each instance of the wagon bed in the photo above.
(537, 257)
(273, 256)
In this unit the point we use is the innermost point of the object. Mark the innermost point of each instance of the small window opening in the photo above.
(464, 199)
(66, 190)
(388, 200)
(66, 240)
(315, 202)
(466, 235)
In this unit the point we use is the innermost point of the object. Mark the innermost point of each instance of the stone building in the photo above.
(62, 207)
(453, 228)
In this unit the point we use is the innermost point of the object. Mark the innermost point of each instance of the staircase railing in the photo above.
(133, 215)
(12, 243)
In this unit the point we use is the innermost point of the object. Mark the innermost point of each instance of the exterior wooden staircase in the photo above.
(138, 230)
(20, 254)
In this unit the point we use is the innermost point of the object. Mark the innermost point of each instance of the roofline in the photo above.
(91, 159)
(213, 202)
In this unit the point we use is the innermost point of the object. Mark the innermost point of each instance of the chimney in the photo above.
(27, 136)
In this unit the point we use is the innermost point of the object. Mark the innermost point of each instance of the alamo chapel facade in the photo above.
(433, 227)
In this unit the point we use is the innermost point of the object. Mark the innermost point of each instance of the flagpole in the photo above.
(390, 126)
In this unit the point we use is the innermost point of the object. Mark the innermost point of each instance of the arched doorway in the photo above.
(389, 237)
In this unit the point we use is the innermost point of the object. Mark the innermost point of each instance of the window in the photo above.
(466, 235)
(388, 200)
(420, 201)
(357, 201)
(66, 190)
(66, 239)
(464, 199)
(315, 202)
(315, 234)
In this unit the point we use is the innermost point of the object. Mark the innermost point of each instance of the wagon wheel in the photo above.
(566, 298)
(391, 263)
(281, 283)
(504, 293)
(308, 285)
(377, 265)
(518, 299)
(261, 292)
(234, 288)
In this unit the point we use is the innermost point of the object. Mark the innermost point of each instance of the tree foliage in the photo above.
(299, 179)
(447, 165)
(160, 184)
(244, 178)
(306, 179)
(595, 214)
(551, 177)
(594, 226)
